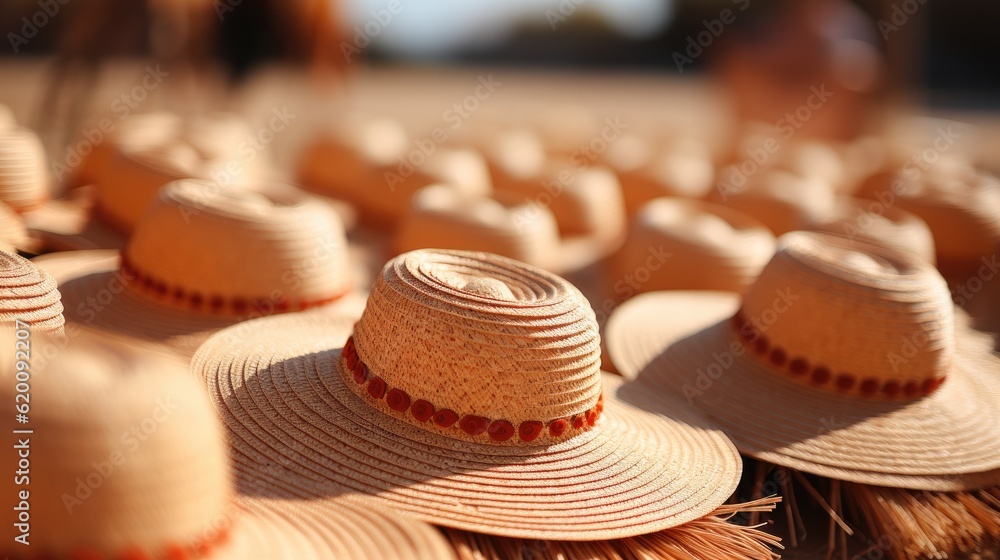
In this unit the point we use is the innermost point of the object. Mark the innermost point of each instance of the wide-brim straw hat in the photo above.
(202, 259)
(28, 294)
(872, 222)
(683, 244)
(127, 460)
(469, 395)
(844, 360)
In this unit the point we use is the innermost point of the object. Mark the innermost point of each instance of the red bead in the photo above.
(931, 385)
(179, 293)
(239, 305)
(160, 288)
(761, 345)
(352, 359)
(820, 376)
(445, 418)
(798, 366)
(263, 306)
(846, 382)
(147, 282)
(501, 430)
(422, 410)
(591, 417)
(376, 387)
(911, 389)
(217, 303)
(397, 400)
(195, 300)
(869, 386)
(360, 373)
(778, 357)
(891, 389)
(282, 304)
(529, 430)
(473, 425)
(557, 427)
(578, 422)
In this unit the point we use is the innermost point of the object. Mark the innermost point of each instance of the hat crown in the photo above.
(236, 251)
(126, 454)
(851, 316)
(29, 294)
(487, 342)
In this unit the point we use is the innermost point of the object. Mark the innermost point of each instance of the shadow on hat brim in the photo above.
(96, 295)
(291, 418)
(947, 441)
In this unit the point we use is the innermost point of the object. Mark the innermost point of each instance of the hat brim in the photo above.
(947, 441)
(276, 386)
(68, 225)
(95, 295)
(342, 527)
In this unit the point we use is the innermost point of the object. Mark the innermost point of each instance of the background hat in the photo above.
(677, 244)
(680, 168)
(28, 294)
(126, 460)
(843, 360)
(874, 223)
(13, 233)
(781, 200)
(202, 259)
(504, 436)
(24, 175)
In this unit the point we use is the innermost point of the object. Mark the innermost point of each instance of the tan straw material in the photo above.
(203, 259)
(29, 294)
(781, 200)
(24, 174)
(126, 460)
(874, 223)
(682, 168)
(474, 402)
(842, 360)
(13, 233)
(678, 244)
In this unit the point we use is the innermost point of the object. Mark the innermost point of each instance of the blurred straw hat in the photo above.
(375, 165)
(781, 200)
(202, 259)
(28, 294)
(470, 395)
(13, 233)
(891, 227)
(681, 168)
(127, 461)
(682, 244)
(960, 205)
(843, 360)
(7, 118)
(24, 175)
(445, 218)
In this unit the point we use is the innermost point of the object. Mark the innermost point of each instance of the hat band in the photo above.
(203, 548)
(373, 387)
(800, 368)
(215, 304)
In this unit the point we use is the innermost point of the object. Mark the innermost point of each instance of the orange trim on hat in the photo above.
(818, 375)
(499, 430)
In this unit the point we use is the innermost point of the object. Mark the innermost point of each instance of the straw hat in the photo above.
(7, 118)
(681, 168)
(374, 164)
(781, 200)
(843, 360)
(874, 223)
(28, 294)
(514, 156)
(202, 259)
(444, 217)
(681, 244)
(24, 177)
(470, 395)
(960, 205)
(126, 460)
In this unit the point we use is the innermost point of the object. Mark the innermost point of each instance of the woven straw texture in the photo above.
(489, 337)
(28, 293)
(24, 181)
(874, 304)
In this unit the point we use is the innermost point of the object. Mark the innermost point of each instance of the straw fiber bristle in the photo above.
(712, 536)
